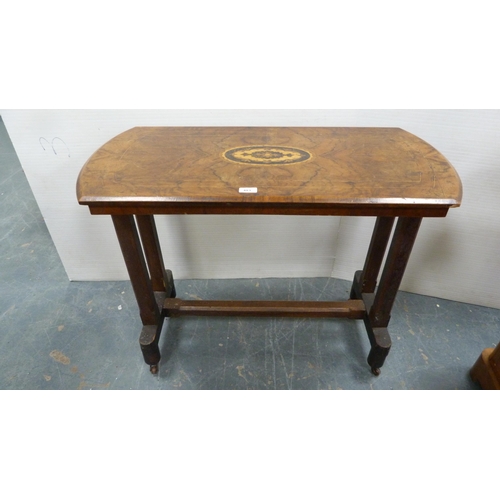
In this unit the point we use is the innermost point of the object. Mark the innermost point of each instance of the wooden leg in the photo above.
(376, 252)
(380, 312)
(395, 265)
(148, 340)
(374, 257)
(161, 279)
(363, 287)
(379, 305)
(130, 245)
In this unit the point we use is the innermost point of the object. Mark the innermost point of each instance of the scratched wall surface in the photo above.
(454, 258)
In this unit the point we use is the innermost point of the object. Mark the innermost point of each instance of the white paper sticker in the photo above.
(247, 190)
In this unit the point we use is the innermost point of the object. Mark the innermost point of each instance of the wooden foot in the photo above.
(379, 338)
(381, 345)
(150, 335)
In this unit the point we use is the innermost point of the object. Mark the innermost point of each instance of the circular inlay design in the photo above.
(267, 155)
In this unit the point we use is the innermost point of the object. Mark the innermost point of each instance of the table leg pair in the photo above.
(379, 301)
(151, 282)
(155, 291)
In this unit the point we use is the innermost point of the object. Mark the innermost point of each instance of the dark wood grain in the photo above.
(353, 309)
(399, 252)
(152, 251)
(376, 252)
(131, 248)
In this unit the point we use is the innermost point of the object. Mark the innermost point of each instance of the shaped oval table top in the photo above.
(274, 170)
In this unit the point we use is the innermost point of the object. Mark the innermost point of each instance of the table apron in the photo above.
(360, 211)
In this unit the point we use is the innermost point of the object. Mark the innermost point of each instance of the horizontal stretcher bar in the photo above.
(353, 309)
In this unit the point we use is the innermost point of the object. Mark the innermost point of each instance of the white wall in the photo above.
(457, 257)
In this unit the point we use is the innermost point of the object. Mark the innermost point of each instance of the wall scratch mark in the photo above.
(41, 140)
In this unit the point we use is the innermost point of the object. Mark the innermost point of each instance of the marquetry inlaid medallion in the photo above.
(267, 155)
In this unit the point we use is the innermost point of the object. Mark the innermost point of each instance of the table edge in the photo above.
(378, 207)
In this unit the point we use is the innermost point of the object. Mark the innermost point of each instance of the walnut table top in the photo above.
(274, 170)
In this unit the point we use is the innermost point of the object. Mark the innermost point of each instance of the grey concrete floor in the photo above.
(56, 334)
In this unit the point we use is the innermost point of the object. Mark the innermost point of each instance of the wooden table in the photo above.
(383, 172)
